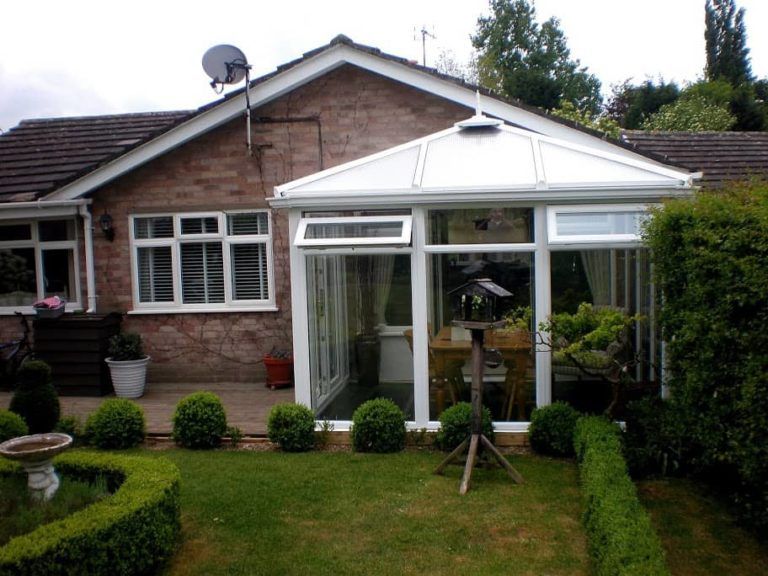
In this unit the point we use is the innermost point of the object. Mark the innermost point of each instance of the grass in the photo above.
(342, 513)
(698, 534)
(20, 515)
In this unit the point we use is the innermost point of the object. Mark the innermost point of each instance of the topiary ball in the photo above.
(378, 426)
(456, 424)
(292, 426)
(35, 399)
(117, 424)
(11, 425)
(199, 421)
(551, 429)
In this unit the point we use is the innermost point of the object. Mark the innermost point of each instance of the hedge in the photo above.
(133, 531)
(622, 541)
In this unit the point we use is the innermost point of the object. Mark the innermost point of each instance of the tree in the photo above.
(601, 123)
(631, 105)
(448, 64)
(691, 113)
(726, 43)
(531, 62)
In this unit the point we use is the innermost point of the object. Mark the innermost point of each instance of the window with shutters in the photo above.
(202, 262)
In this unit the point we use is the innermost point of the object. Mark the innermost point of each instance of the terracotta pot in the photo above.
(279, 371)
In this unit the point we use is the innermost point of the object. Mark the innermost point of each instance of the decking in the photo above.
(247, 404)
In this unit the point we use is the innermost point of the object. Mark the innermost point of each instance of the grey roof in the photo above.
(722, 156)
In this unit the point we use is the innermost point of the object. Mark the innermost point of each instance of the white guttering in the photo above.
(90, 272)
(41, 208)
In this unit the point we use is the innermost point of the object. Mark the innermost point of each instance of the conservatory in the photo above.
(378, 244)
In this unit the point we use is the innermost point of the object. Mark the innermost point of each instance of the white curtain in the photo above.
(597, 266)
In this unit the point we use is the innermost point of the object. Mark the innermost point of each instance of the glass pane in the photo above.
(495, 225)
(353, 355)
(54, 230)
(250, 223)
(616, 279)
(509, 389)
(154, 227)
(249, 272)
(10, 232)
(18, 286)
(202, 273)
(354, 230)
(59, 274)
(155, 274)
(202, 225)
(598, 223)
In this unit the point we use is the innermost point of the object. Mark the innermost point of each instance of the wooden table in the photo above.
(448, 356)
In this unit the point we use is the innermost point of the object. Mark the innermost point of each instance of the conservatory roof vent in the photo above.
(479, 120)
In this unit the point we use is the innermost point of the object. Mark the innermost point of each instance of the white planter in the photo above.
(128, 376)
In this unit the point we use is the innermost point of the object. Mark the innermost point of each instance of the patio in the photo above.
(247, 404)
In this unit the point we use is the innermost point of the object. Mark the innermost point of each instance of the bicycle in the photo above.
(13, 354)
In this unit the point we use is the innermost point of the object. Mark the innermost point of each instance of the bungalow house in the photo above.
(375, 186)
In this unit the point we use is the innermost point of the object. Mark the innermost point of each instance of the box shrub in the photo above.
(456, 424)
(622, 541)
(292, 427)
(551, 429)
(35, 398)
(73, 426)
(118, 423)
(199, 421)
(378, 425)
(654, 438)
(11, 425)
(133, 531)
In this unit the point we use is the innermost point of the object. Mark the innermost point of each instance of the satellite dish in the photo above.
(225, 64)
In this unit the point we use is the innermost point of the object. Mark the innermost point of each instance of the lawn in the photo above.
(342, 513)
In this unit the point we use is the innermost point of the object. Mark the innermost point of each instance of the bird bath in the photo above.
(35, 453)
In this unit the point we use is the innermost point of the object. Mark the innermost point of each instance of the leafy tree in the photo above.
(601, 123)
(691, 114)
(531, 62)
(726, 43)
(631, 105)
(448, 64)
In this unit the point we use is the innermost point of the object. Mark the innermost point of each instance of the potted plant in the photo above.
(127, 365)
(279, 366)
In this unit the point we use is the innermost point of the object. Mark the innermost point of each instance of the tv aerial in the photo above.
(226, 64)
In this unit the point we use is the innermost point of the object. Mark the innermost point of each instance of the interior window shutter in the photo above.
(249, 272)
(155, 274)
(202, 273)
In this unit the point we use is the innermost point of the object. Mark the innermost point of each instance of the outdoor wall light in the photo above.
(105, 221)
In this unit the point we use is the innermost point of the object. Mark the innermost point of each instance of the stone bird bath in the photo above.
(35, 453)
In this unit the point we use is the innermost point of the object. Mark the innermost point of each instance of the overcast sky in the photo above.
(85, 57)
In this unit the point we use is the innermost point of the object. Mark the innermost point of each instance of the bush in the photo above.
(126, 346)
(653, 437)
(621, 538)
(118, 423)
(12, 425)
(292, 426)
(35, 398)
(70, 425)
(551, 429)
(456, 424)
(378, 425)
(134, 531)
(199, 421)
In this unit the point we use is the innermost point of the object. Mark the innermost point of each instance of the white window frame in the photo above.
(555, 238)
(178, 239)
(403, 240)
(40, 247)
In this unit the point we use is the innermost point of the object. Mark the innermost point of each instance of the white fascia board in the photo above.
(40, 209)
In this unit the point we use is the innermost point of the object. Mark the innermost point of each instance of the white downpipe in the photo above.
(90, 274)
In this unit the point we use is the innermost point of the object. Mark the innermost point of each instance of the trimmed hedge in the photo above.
(456, 425)
(622, 541)
(117, 424)
(292, 426)
(199, 421)
(378, 425)
(12, 425)
(551, 429)
(133, 531)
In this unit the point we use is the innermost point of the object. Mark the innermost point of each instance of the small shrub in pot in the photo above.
(199, 421)
(126, 346)
(456, 424)
(551, 429)
(11, 425)
(378, 425)
(292, 426)
(117, 424)
(35, 399)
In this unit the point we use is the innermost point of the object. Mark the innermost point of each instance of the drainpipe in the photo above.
(90, 281)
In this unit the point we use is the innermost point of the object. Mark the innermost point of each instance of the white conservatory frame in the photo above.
(583, 180)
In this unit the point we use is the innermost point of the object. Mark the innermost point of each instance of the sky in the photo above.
(84, 57)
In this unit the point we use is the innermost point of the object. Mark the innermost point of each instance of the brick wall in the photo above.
(359, 114)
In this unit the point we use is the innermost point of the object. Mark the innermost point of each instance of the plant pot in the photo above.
(129, 377)
(279, 372)
(368, 355)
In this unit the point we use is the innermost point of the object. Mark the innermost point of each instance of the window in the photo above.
(37, 260)
(355, 231)
(589, 224)
(491, 225)
(203, 261)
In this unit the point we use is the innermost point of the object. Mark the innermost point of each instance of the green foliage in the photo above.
(654, 437)
(35, 398)
(726, 43)
(378, 425)
(589, 328)
(456, 425)
(71, 425)
(691, 114)
(126, 346)
(235, 435)
(134, 531)
(292, 426)
(622, 541)
(117, 424)
(601, 123)
(711, 264)
(531, 62)
(551, 429)
(630, 105)
(12, 425)
(199, 421)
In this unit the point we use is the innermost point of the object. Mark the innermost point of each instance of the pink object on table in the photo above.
(51, 302)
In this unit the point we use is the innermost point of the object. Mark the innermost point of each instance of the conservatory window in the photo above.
(588, 224)
(355, 231)
(202, 261)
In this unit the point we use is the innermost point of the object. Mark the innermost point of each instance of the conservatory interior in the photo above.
(378, 244)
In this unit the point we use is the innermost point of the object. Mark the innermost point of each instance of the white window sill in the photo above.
(144, 311)
(30, 311)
